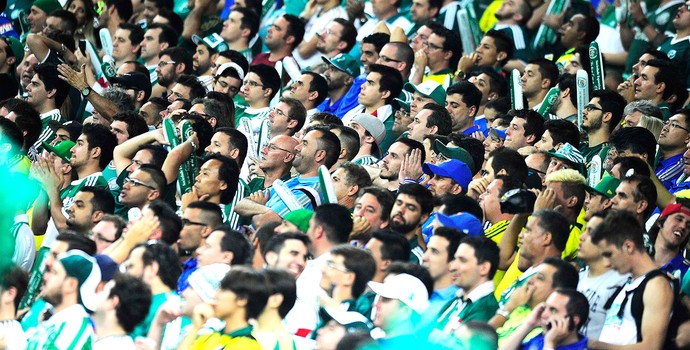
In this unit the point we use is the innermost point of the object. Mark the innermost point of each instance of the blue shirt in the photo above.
(278, 206)
(669, 170)
(326, 105)
(537, 343)
(472, 129)
(351, 98)
(188, 267)
(676, 267)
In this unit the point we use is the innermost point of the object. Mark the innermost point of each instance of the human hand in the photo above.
(411, 166)
(260, 197)
(193, 196)
(467, 62)
(360, 228)
(519, 297)
(477, 187)
(76, 79)
(558, 332)
(141, 230)
(202, 313)
(420, 60)
(168, 311)
(535, 316)
(546, 199)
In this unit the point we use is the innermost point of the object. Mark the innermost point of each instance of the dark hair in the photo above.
(236, 57)
(117, 221)
(330, 143)
(124, 8)
(501, 105)
(403, 53)
(348, 35)
(394, 246)
(498, 84)
(27, 119)
(158, 154)
(413, 144)
(357, 339)
(179, 55)
(297, 112)
(636, 140)
(277, 242)
(13, 134)
(645, 190)
(391, 80)
(237, 140)
(248, 284)
(358, 261)
(566, 276)
(221, 107)
(326, 118)
(48, 74)
(134, 300)
(98, 135)
(511, 161)
(168, 33)
(456, 203)
(534, 122)
(68, 21)
(356, 175)
(637, 165)
(196, 90)
(567, 81)
(283, 283)
(335, 220)
(169, 268)
(269, 78)
(547, 69)
(295, 28)
(611, 102)
(454, 238)
(349, 140)
(250, 20)
(379, 40)
(174, 20)
(383, 196)
(503, 43)
(77, 241)
(451, 43)
(157, 177)
(229, 172)
(555, 223)
(577, 305)
(136, 125)
(620, 226)
(210, 212)
(471, 96)
(563, 131)
(415, 270)
(668, 74)
(265, 233)
(14, 277)
(136, 33)
(102, 199)
(236, 243)
(420, 193)
(473, 146)
(171, 224)
(318, 84)
(440, 118)
(485, 250)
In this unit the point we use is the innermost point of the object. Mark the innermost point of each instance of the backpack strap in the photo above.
(637, 303)
(312, 194)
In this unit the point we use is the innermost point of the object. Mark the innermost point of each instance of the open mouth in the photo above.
(677, 234)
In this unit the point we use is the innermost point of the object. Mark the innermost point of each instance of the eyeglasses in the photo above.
(674, 125)
(99, 237)
(278, 112)
(272, 147)
(483, 172)
(332, 265)
(252, 83)
(202, 115)
(433, 47)
(186, 222)
(331, 32)
(402, 113)
(388, 59)
(590, 108)
(162, 64)
(135, 182)
(122, 87)
(532, 170)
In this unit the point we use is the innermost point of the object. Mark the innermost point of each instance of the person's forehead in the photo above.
(84, 196)
(398, 148)
(139, 175)
(293, 243)
(407, 199)
(375, 76)
(166, 58)
(369, 199)
(212, 164)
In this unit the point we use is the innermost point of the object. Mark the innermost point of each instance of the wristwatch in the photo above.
(86, 91)
(460, 74)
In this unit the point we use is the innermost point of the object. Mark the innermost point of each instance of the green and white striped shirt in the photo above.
(67, 329)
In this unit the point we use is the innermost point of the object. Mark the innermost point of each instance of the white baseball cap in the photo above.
(406, 288)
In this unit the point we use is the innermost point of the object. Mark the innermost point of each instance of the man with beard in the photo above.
(539, 77)
(88, 208)
(26, 70)
(341, 72)
(390, 169)
(207, 50)
(142, 186)
(411, 209)
(157, 38)
(672, 231)
(284, 35)
(70, 283)
(287, 251)
(46, 93)
(39, 12)
(311, 89)
(599, 118)
(173, 62)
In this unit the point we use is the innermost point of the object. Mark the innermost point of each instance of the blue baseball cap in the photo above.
(463, 222)
(452, 168)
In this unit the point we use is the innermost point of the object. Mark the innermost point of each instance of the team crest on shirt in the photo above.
(672, 54)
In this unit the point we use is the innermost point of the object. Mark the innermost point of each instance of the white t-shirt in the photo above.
(13, 335)
(598, 291)
(119, 342)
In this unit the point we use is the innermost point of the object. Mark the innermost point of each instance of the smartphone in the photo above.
(82, 46)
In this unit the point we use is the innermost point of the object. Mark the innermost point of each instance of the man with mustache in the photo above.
(411, 208)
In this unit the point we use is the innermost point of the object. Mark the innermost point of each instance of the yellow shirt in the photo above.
(240, 339)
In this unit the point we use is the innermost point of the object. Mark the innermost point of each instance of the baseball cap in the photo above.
(206, 279)
(497, 133)
(85, 269)
(463, 222)
(344, 62)
(571, 154)
(214, 42)
(299, 218)
(606, 186)
(399, 104)
(107, 265)
(452, 168)
(61, 150)
(73, 128)
(454, 152)
(406, 288)
(48, 6)
(233, 65)
(134, 80)
(349, 319)
(430, 89)
(17, 48)
(371, 124)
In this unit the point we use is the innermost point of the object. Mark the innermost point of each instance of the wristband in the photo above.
(503, 312)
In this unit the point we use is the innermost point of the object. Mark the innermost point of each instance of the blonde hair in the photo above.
(566, 175)
(652, 124)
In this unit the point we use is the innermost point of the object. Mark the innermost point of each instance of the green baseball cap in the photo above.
(606, 187)
(299, 218)
(571, 154)
(62, 149)
(458, 153)
(430, 89)
(345, 63)
(214, 42)
(17, 48)
(47, 6)
(399, 104)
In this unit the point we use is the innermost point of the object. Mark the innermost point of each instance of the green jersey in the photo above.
(142, 329)
(47, 133)
(678, 51)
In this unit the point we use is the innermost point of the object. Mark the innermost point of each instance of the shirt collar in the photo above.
(481, 291)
